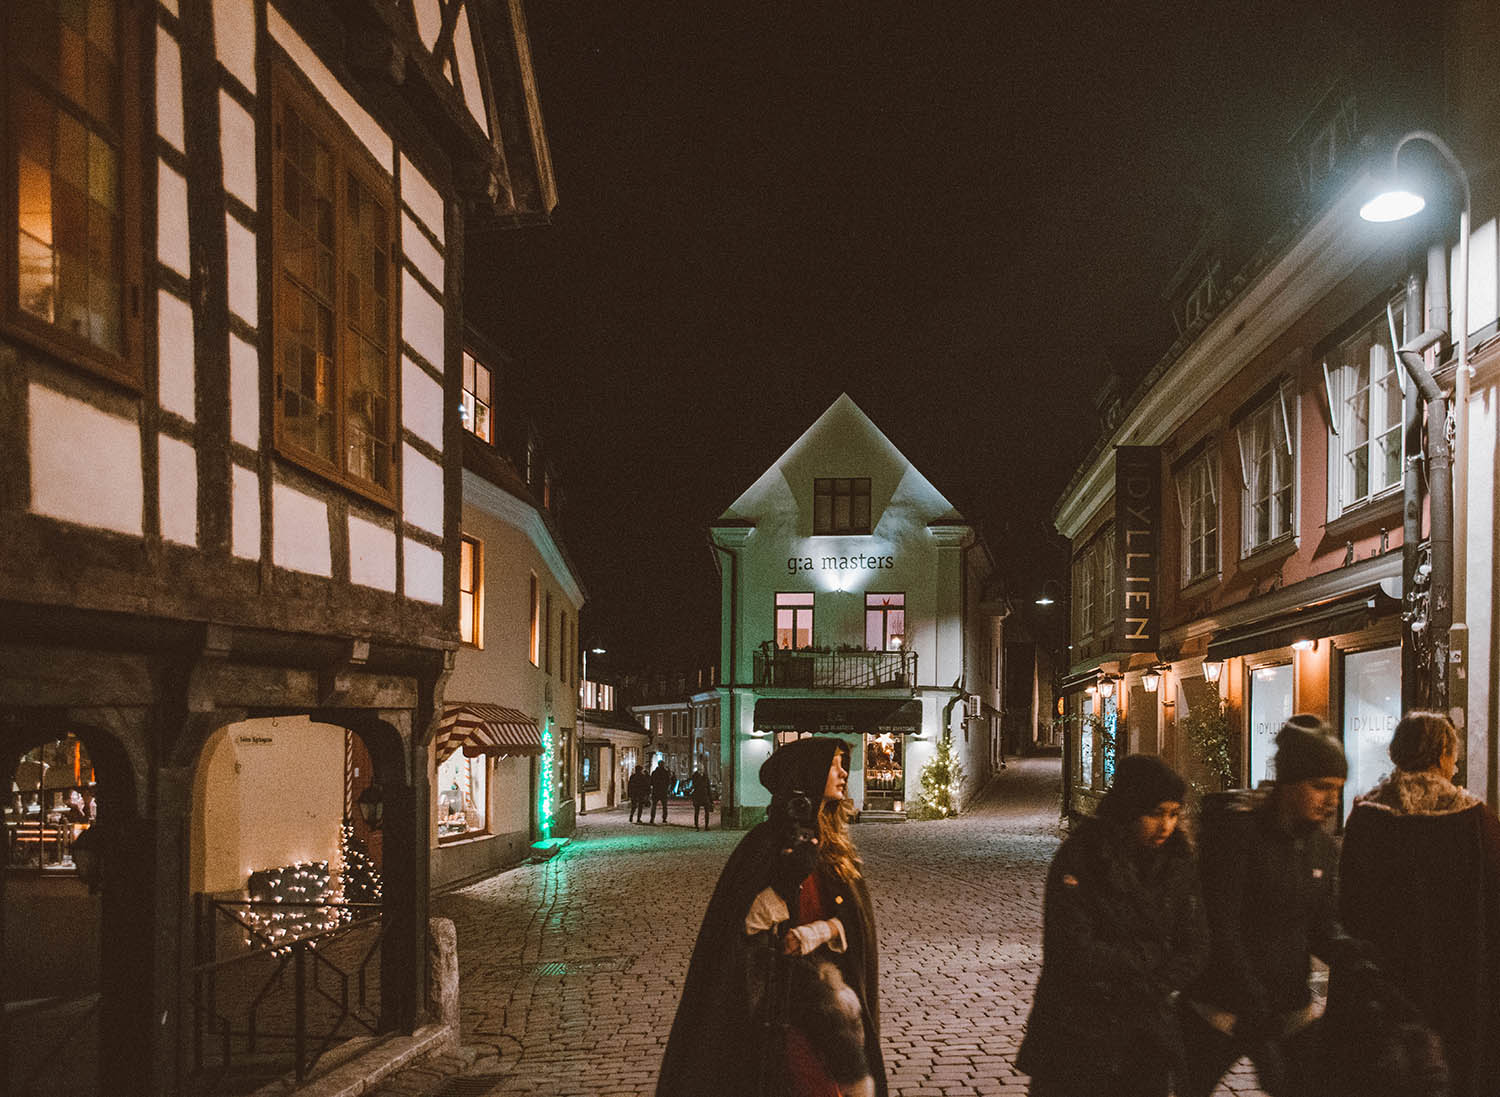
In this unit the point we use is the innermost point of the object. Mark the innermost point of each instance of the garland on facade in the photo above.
(941, 778)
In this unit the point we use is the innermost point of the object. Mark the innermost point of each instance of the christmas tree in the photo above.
(941, 778)
(359, 879)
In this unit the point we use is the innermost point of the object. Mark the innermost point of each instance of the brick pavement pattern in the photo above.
(570, 970)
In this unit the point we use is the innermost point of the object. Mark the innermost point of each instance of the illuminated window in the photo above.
(794, 621)
(1365, 390)
(536, 625)
(1198, 508)
(332, 310)
(52, 800)
(71, 270)
(841, 505)
(476, 402)
(463, 806)
(885, 622)
(471, 591)
(1267, 464)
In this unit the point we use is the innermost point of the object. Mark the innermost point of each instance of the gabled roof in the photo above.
(842, 434)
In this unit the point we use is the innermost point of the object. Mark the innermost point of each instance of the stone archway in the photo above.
(78, 951)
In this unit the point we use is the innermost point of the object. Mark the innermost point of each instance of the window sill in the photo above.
(58, 344)
(1385, 505)
(1269, 553)
(326, 470)
(1201, 585)
(462, 839)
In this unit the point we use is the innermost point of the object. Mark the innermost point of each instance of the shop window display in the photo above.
(52, 801)
(462, 799)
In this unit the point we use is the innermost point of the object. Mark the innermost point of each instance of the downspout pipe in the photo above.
(730, 779)
(1439, 469)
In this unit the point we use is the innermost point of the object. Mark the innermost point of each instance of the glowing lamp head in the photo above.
(1106, 687)
(1151, 679)
(1043, 599)
(1212, 668)
(1304, 645)
(1392, 205)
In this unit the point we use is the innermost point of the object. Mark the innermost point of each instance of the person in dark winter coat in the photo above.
(1420, 881)
(639, 789)
(661, 788)
(781, 996)
(703, 798)
(1269, 874)
(1124, 933)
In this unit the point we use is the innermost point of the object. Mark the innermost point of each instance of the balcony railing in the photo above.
(808, 669)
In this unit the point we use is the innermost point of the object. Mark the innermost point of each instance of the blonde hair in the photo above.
(835, 845)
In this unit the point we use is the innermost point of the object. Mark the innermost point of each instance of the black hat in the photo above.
(1305, 751)
(1141, 782)
(801, 767)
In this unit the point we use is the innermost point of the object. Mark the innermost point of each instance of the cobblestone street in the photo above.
(570, 970)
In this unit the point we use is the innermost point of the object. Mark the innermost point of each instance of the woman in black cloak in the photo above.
(781, 996)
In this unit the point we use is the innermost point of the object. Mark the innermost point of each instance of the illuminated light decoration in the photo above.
(1091, 689)
(886, 741)
(1304, 645)
(1111, 723)
(1212, 668)
(544, 784)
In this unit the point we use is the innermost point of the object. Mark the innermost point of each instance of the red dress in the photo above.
(806, 1075)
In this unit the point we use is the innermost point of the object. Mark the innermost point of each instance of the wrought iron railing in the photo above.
(277, 1004)
(809, 669)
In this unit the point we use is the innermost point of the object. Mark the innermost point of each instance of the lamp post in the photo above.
(1449, 514)
(583, 796)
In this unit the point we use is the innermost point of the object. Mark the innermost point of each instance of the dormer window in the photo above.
(841, 505)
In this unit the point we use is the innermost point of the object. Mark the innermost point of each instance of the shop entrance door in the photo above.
(885, 772)
(1270, 705)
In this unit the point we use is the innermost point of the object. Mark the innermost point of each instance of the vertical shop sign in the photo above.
(1137, 547)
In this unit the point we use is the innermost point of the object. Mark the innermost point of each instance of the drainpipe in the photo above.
(1439, 473)
(728, 779)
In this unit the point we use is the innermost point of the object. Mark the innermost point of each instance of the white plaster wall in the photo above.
(237, 141)
(423, 198)
(270, 792)
(429, 21)
(174, 334)
(468, 71)
(85, 463)
(245, 513)
(177, 475)
(169, 89)
(1484, 669)
(1484, 269)
(421, 320)
(234, 38)
(420, 251)
(299, 531)
(244, 393)
(424, 572)
(171, 219)
(170, 5)
(421, 490)
(365, 128)
(244, 293)
(372, 554)
(421, 403)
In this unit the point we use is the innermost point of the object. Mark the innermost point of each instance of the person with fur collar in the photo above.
(781, 997)
(1420, 880)
(1124, 932)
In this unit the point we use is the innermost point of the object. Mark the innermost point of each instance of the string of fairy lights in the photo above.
(286, 903)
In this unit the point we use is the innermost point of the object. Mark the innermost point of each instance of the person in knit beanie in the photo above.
(1270, 885)
(1124, 933)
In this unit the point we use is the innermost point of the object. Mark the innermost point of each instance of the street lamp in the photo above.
(1398, 203)
(596, 651)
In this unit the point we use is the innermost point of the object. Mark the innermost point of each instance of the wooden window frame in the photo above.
(476, 591)
(135, 20)
(471, 399)
(350, 158)
(883, 612)
(826, 487)
(536, 624)
(797, 608)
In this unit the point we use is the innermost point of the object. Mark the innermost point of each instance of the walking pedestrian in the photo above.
(1420, 881)
(1269, 873)
(639, 790)
(1124, 933)
(781, 996)
(661, 789)
(703, 797)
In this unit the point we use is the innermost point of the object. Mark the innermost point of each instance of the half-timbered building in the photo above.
(231, 238)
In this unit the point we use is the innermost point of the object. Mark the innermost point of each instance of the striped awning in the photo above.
(486, 729)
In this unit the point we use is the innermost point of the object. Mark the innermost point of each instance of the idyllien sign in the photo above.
(1137, 547)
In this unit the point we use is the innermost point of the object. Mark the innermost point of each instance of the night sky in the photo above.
(962, 214)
